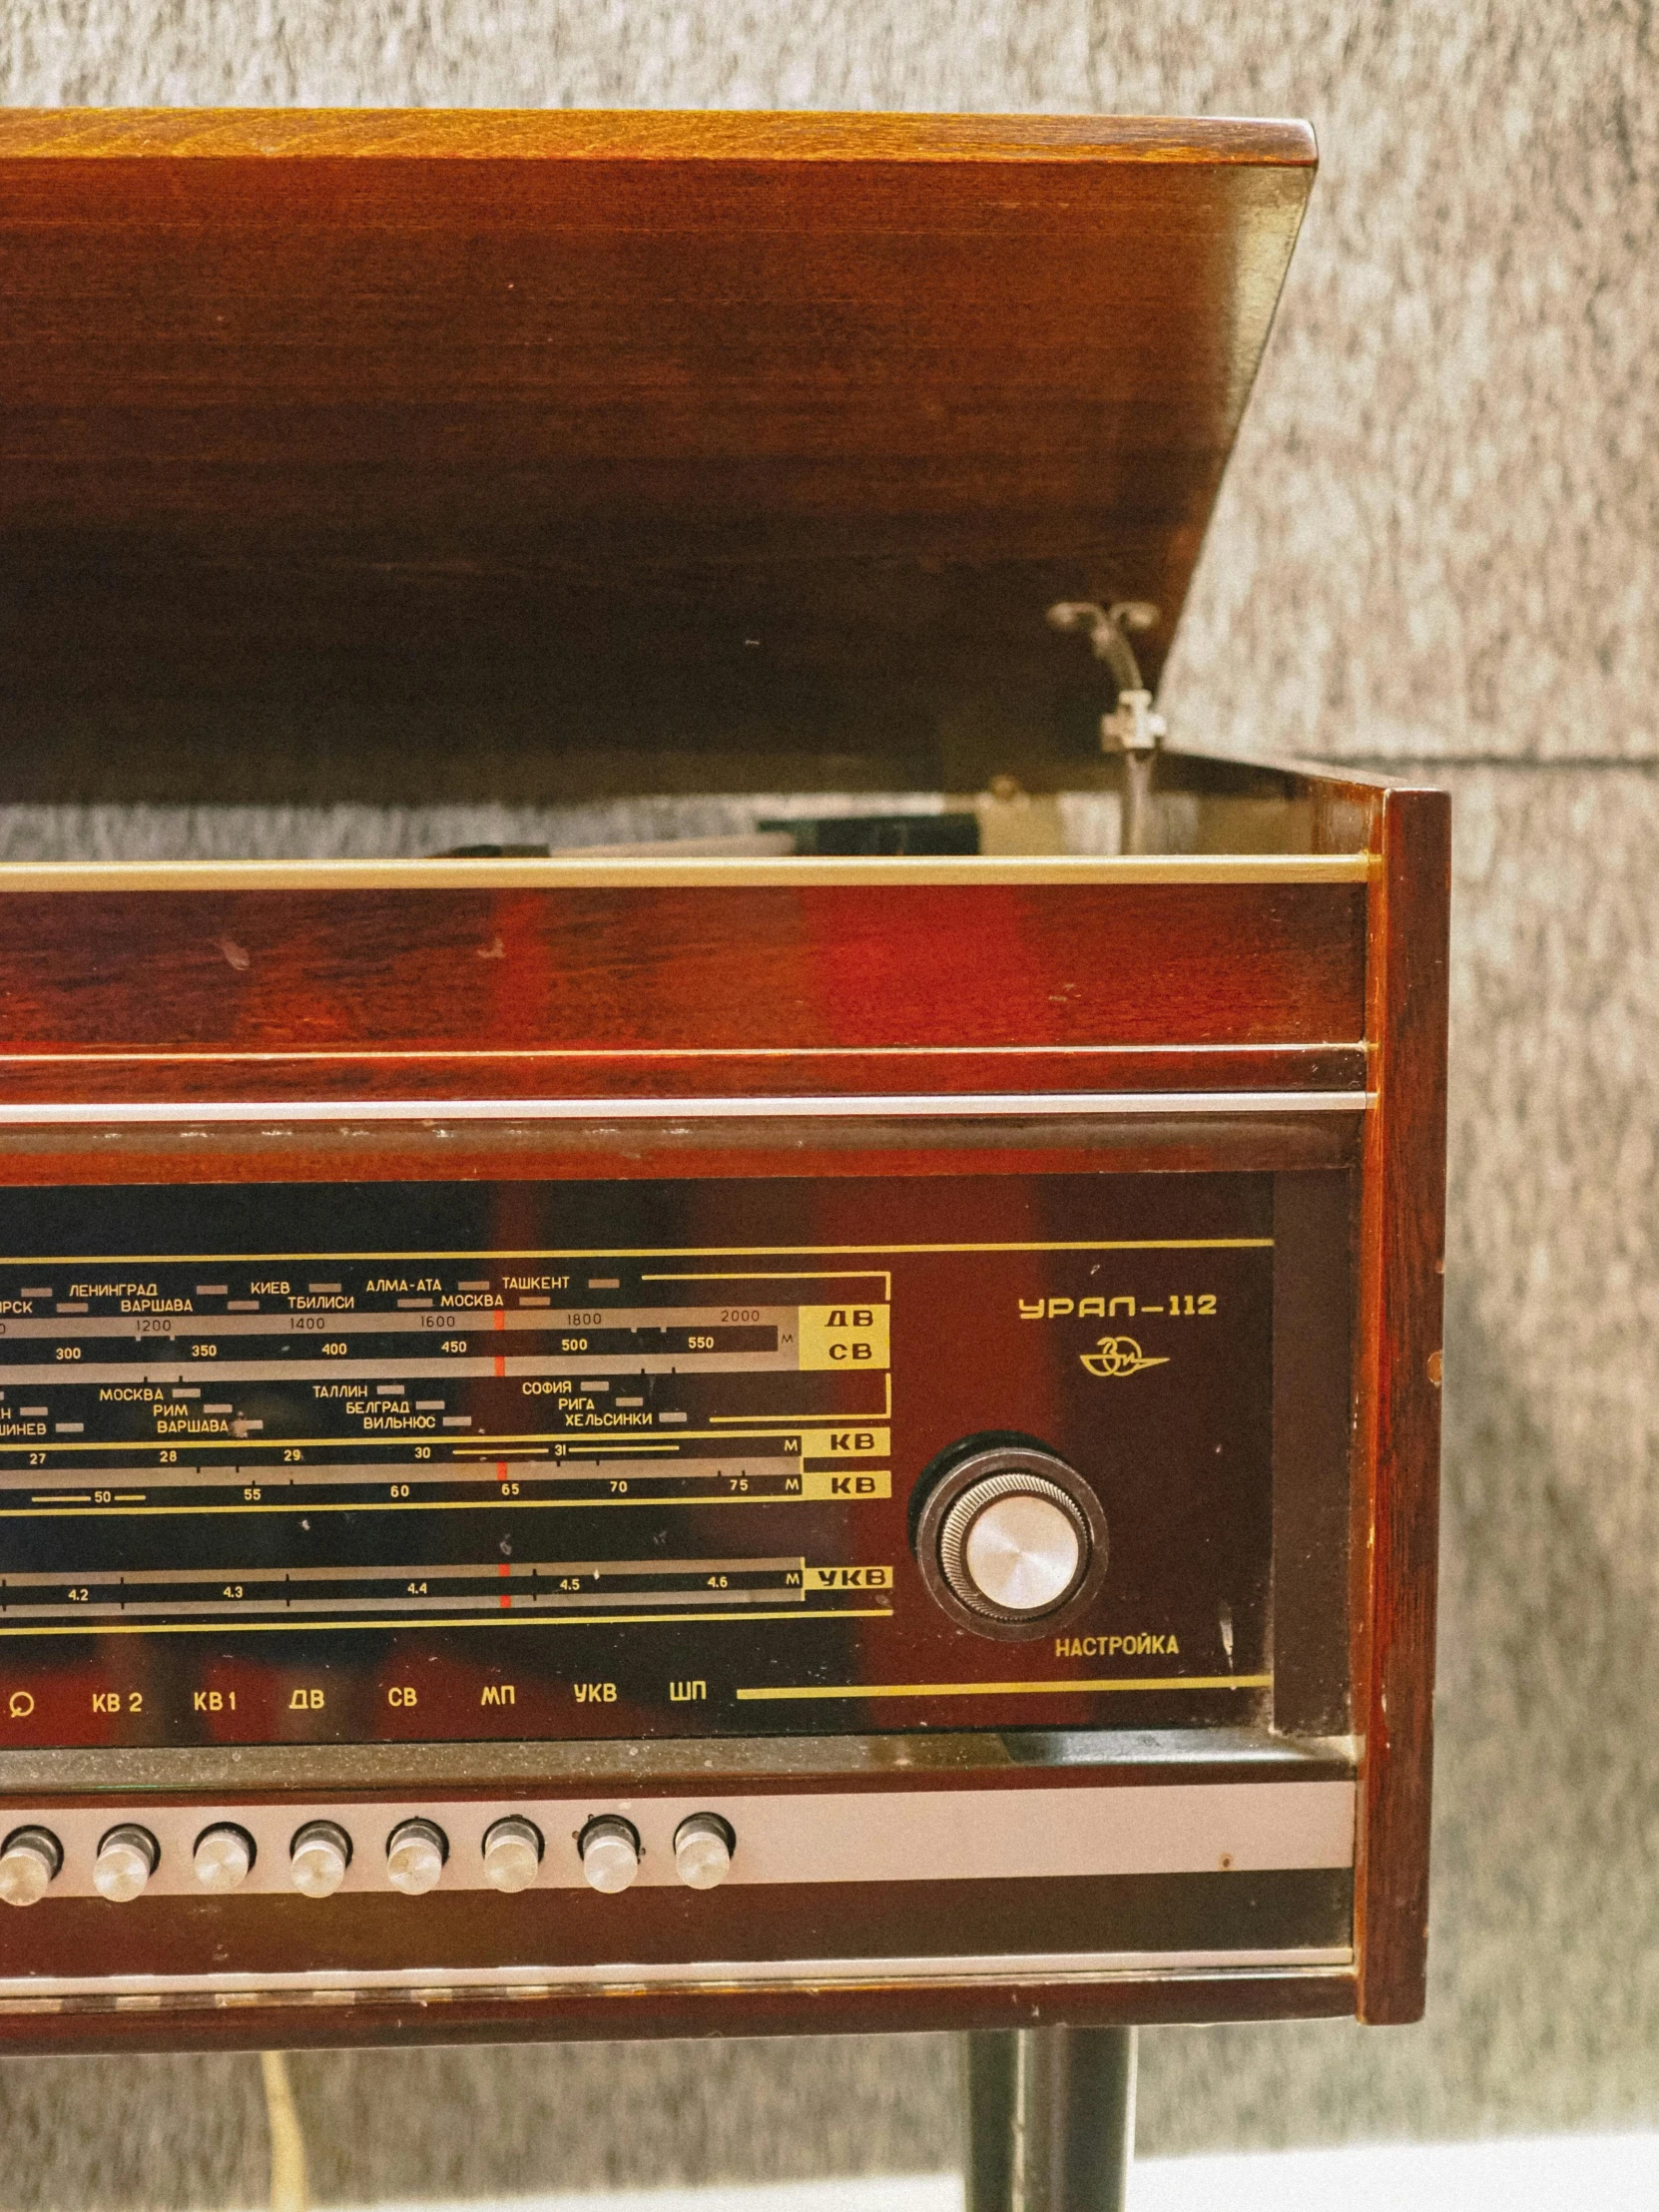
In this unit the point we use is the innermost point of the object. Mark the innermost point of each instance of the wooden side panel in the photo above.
(1402, 1242)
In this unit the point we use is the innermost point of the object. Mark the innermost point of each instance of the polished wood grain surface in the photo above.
(640, 134)
(679, 972)
(275, 1147)
(430, 441)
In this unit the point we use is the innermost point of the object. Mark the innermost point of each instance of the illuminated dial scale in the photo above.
(406, 1392)
(742, 1469)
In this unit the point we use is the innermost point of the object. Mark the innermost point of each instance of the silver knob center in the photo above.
(1013, 1545)
(1022, 1553)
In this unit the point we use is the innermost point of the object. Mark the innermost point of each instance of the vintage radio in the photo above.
(838, 1432)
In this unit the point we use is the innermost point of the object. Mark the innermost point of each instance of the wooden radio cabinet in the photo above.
(669, 1443)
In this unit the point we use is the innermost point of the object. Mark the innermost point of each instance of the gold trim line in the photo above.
(850, 1107)
(99, 1056)
(1022, 1689)
(632, 1252)
(410, 1623)
(116, 878)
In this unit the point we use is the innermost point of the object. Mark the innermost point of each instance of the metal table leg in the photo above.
(1050, 2119)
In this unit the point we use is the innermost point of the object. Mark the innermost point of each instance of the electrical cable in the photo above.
(288, 2191)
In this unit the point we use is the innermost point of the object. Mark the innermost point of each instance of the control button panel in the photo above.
(273, 1850)
(1033, 1831)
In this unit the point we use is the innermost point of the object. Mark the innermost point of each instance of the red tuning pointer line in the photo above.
(501, 1356)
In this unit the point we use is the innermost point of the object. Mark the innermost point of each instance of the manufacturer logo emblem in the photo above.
(1119, 1356)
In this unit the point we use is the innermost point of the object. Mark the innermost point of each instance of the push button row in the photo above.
(321, 1853)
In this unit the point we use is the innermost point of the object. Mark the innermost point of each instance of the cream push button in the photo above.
(610, 1853)
(223, 1858)
(415, 1853)
(703, 1848)
(29, 1865)
(317, 1859)
(127, 1857)
(512, 1855)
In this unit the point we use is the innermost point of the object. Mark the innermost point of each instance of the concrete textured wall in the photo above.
(1438, 543)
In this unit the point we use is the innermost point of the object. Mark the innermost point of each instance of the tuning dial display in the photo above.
(1010, 1538)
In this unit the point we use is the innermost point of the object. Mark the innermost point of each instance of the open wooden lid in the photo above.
(619, 438)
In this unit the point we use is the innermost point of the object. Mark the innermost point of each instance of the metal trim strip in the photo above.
(784, 1839)
(895, 1763)
(452, 1985)
(905, 1106)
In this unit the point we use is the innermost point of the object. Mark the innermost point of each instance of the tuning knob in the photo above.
(1009, 1538)
(1013, 1545)
(29, 1865)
